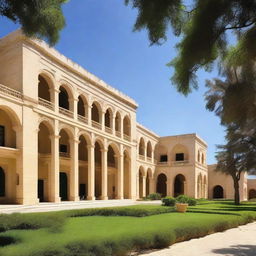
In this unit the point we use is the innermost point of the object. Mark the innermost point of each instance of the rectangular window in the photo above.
(2, 135)
(63, 148)
(163, 158)
(179, 157)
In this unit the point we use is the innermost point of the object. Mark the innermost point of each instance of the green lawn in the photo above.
(59, 234)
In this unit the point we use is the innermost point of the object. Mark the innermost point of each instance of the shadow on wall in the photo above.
(237, 250)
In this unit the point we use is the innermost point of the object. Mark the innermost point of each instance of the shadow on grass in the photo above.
(237, 250)
(6, 240)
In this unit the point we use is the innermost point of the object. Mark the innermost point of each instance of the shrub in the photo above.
(186, 200)
(168, 201)
(154, 196)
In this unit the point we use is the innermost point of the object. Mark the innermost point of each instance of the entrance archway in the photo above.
(252, 193)
(179, 185)
(218, 192)
(63, 186)
(161, 186)
(44, 162)
(112, 163)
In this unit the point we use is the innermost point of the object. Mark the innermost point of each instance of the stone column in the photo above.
(104, 182)
(113, 124)
(54, 172)
(153, 157)
(138, 186)
(169, 187)
(151, 185)
(74, 174)
(91, 173)
(74, 107)
(56, 100)
(143, 186)
(122, 127)
(120, 173)
(103, 121)
(89, 111)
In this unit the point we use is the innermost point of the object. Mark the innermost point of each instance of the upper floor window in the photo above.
(179, 157)
(2, 134)
(163, 158)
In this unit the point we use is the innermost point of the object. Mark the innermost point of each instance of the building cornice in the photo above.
(59, 58)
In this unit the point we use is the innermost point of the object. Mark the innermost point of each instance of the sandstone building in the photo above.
(67, 135)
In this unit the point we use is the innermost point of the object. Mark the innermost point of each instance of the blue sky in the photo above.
(99, 37)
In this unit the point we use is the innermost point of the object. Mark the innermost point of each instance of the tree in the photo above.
(237, 156)
(38, 18)
(203, 27)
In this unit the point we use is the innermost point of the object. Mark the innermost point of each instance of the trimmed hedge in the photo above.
(168, 201)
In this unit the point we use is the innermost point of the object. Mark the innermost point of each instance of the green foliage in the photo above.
(53, 221)
(157, 16)
(203, 26)
(154, 196)
(40, 18)
(168, 201)
(119, 235)
(186, 200)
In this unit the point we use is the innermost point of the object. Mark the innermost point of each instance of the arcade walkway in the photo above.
(68, 205)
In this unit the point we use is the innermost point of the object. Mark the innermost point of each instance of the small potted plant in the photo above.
(182, 203)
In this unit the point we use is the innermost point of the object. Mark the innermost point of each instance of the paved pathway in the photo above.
(239, 241)
(47, 207)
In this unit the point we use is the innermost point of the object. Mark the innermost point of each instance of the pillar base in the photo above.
(27, 201)
(91, 198)
(55, 199)
(74, 198)
(104, 198)
(120, 197)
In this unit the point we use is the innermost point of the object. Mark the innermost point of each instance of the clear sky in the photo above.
(99, 37)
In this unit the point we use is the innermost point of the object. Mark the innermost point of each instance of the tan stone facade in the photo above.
(67, 135)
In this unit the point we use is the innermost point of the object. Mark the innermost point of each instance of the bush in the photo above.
(168, 201)
(186, 200)
(154, 196)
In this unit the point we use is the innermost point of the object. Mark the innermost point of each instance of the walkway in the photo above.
(239, 241)
(68, 205)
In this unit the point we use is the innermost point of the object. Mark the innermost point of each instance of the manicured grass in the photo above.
(117, 235)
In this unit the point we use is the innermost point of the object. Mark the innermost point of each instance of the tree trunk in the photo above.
(237, 194)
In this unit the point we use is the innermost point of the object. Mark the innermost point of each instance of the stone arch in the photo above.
(161, 184)
(9, 124)
(86, 135)
(82, 106)
(179, 185)
(68, 129)
(108, 118)
(112, 162)
(118, 120)
(149, 149)
(202, 158)
(127, 126)
(66, 96)
(96, 112)
(44, 149)
(179, 153)
(218, 192)
(198, 156)
(48, 122)
(142, 146)
(252, 194)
